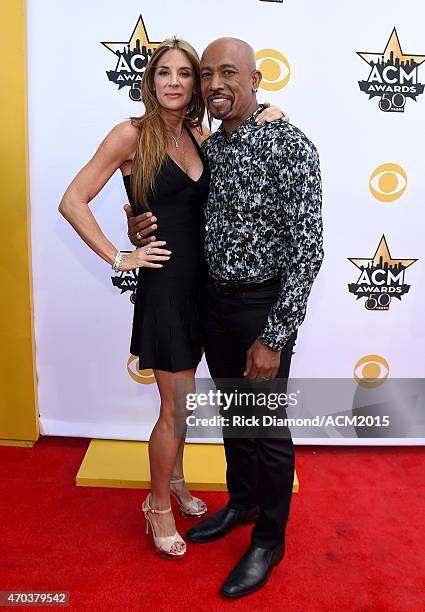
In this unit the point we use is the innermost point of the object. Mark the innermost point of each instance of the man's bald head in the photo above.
(229, 80)
(235, 47)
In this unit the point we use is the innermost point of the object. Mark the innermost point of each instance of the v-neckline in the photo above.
(197, 148)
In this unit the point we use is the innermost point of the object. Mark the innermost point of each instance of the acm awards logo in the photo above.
(393, 76)
(126, 281)
(132, 58)
(381, 278)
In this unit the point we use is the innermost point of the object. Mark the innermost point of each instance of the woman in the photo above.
(163, 170)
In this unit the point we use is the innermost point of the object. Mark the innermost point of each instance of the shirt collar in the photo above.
(243, 128)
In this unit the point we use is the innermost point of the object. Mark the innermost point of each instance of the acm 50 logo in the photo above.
(393, 76)
(382, 278)
(132, 58)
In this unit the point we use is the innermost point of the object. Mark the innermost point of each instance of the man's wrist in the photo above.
(272, 342)
(266, 343)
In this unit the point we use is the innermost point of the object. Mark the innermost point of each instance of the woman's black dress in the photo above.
(166, 327)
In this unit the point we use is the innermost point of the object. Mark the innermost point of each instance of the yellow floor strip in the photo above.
(28, 443)
(124, 464)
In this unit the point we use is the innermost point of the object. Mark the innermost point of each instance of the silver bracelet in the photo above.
(118, 261)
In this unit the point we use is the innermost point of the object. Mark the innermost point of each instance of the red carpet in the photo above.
(355, 539)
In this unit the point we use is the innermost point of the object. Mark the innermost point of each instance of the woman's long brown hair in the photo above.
(153, 140)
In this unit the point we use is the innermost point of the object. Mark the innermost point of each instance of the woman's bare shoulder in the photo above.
(121, 142)
(126, 132)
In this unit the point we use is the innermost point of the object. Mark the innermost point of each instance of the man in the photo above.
(263, 248)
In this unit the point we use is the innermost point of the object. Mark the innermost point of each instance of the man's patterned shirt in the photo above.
(263, 216)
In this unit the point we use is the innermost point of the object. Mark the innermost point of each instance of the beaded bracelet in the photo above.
(118, 261)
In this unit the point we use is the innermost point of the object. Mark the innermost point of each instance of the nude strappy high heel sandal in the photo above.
(192, 508)
(169, 547)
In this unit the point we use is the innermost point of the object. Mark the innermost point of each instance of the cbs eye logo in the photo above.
(371, 371)
(144, 377)
(275, 69)
(388, 182)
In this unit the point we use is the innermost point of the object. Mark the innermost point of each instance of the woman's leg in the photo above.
(178, 466)
(164, 447)
(180, 487)
(178, 473)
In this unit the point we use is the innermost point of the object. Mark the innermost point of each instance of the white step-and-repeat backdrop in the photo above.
(351, 76)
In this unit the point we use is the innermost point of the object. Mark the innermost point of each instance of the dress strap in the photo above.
(192, 137)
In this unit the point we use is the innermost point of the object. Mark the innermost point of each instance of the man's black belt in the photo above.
(229, 288)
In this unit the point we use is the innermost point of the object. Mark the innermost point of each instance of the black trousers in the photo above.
(260, 471)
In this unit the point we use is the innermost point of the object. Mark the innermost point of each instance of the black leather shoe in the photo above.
(252, 571)
(218, 524)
